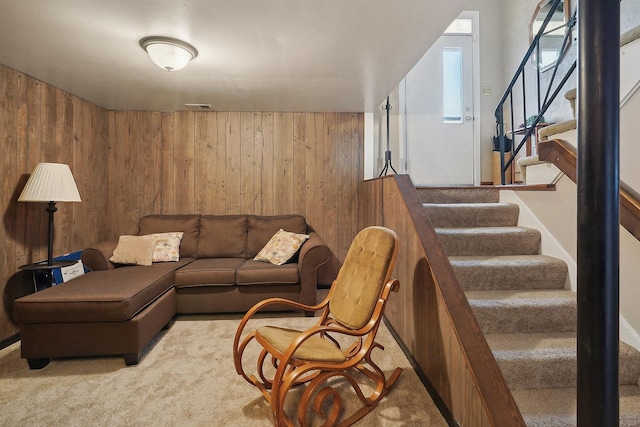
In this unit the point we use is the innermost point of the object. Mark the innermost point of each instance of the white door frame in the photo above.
(475, 18)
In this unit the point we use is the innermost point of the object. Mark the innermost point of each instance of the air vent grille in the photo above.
(199, 106)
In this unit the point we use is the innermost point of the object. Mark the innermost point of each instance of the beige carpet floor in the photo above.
(186, 378)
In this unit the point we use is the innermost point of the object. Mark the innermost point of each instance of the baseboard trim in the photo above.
(10, 340)
(448, 417)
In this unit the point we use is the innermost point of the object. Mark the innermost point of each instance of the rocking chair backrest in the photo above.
(367, 267)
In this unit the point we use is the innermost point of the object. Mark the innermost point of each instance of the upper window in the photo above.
(452, 84)
(460, 26)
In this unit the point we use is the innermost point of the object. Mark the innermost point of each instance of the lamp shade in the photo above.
(50, 182)
(168, 53)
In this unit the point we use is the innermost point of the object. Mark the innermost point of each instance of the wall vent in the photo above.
(199, 106)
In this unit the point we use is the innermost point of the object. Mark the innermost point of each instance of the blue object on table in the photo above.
(73, 256)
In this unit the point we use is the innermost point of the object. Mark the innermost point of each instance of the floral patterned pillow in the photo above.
(167, 246)
(281, 247)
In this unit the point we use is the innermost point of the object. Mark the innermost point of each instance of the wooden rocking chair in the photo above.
(352, 312)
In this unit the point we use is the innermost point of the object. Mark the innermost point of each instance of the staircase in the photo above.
(522, 306)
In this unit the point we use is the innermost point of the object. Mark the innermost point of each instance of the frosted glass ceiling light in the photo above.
(168, 53)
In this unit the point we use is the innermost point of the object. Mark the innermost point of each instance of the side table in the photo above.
(45, 270)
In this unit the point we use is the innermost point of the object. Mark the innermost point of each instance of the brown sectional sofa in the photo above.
(117, 310)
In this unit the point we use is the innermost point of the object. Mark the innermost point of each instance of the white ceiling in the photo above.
(254, 55)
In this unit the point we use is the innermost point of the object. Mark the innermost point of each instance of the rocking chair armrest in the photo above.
(294, 304)
(264, 303)
(308, 333)
(392, 285)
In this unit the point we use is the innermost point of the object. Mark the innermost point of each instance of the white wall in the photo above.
(491, 47)
(629, 147)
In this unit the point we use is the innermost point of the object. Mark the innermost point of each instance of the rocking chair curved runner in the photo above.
(351, 314)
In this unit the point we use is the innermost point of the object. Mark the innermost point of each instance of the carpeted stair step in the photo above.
(472, 214)
(504, 312)
(548, 360)
(557, 407)
(459, 195)
(510, 272)
(483, 241)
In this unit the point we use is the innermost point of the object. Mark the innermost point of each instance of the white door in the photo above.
(439, 114)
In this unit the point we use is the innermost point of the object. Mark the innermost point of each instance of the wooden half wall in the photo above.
(431, 315)
(39, 123)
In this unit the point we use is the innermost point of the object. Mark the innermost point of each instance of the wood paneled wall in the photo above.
(39, 123)
(264, 163)
(431, 314)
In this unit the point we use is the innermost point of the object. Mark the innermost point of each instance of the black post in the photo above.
(51, 209)
(598, 212)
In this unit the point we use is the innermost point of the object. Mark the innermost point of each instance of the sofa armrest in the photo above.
(313, 254)
(96, 257)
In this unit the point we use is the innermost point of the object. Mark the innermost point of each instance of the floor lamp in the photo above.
(51, 183)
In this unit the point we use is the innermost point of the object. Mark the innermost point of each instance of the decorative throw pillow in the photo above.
(281, 247)
(167, 246)
(136, 250)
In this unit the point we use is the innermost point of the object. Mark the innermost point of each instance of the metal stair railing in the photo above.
(542, 104)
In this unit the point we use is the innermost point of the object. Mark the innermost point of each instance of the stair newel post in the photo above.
(598, 212)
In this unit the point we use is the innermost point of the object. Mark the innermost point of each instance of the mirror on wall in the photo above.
(551, 39)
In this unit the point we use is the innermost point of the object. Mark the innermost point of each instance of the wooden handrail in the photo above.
(564, 156)
(560, 153)
(432, 315)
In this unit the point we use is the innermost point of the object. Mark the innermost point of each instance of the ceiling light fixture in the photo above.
(168, 53)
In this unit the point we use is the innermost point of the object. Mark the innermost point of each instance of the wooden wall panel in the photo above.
(39, 123)
(283, 162)
(217, 198)
(184, 173)
(9, 139)
(149, 187)
(265, 142)
(232, 165)
(166, 168)
(299, 162)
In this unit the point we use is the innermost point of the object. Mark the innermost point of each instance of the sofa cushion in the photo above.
(223, 236)
(262, 273)
(100, 296)
(188, 224)
(209, 271)
(261, 228)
